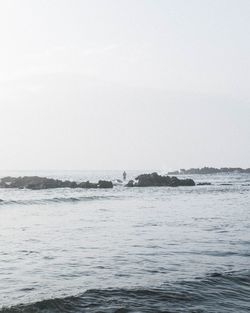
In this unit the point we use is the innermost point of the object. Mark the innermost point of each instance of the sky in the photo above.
(124, 84)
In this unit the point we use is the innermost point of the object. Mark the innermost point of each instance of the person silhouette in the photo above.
(124, 175)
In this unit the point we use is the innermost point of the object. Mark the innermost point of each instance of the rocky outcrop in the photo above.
(36, 183)
(155, 180)
(87, 185)
(211, 170)
(105, 184)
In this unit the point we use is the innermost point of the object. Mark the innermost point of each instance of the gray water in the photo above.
(184, 249)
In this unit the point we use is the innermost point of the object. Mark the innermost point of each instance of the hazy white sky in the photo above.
(131, 84)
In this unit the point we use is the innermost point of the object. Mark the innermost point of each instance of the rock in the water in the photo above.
(105, 184)
(36, 183)
(150, 180)
(211, 170)
(87, 185)
(204, 184)
(130, 184)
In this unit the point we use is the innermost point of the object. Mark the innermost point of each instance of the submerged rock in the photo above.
(36, 183)
(150, 180)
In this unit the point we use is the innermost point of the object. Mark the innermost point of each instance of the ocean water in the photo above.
(184, 249)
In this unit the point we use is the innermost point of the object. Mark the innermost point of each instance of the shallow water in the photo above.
(184, 249)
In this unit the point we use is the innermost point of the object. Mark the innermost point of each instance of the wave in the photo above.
(53, 200)
(228, 292)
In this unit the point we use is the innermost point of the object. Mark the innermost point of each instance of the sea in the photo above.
(159, 249)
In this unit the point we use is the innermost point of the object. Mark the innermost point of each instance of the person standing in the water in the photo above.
(124, 175)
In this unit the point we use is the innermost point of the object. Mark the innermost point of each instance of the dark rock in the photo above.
(36, 183)
(105, 184)
(87, 185)
(73, 184)
(130, 184)
(68, 184)
(204, 184)
(7, 180)
(150, 180)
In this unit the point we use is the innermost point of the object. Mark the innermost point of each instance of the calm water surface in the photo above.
(184, 249)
